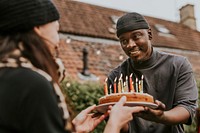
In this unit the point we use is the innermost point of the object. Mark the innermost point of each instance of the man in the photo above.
(167, 77)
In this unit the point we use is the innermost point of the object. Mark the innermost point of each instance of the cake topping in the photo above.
(131, 83)
(105, 87)
(115, 85)
(128, 85)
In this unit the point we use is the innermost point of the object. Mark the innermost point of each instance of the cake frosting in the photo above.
(131, 97)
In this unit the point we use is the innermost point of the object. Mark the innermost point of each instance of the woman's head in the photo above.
(49, 33)
(23, 15)
(29, 26)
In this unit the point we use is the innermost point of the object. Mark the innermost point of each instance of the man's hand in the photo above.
(153, 114)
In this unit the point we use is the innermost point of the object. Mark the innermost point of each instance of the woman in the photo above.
(30, 97)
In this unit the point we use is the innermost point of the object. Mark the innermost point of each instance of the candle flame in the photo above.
(106, 79)
(115, 79)
(131, 75)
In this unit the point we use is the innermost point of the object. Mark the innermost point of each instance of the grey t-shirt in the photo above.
(169, 79)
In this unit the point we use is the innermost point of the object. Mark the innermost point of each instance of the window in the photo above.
(163, 31)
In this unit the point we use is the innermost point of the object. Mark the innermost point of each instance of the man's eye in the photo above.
(124, 42)
(137, 36)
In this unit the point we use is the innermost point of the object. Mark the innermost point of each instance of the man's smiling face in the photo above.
(136, 44)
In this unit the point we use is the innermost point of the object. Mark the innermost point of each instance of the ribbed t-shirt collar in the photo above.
(147, 63)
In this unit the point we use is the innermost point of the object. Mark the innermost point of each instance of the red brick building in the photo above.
(89, 27)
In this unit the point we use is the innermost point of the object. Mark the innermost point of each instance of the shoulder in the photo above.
(173, 57)
(177, 61)
(24, 79)
(170, 55)
(28, 74)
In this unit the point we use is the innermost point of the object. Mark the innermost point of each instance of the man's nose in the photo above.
(131, 43)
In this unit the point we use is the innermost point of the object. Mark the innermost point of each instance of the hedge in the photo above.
(82, 95)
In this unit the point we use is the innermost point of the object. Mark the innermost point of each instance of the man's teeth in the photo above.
(134, 52)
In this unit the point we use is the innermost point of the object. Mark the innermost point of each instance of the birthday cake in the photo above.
(132, 90)
(130, 96)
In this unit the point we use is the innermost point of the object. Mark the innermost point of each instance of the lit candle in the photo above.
(131, 83)
(142, 83)
(120, 84)
(110, 88)
(136, 85)
(115, 86)
(105, 87)
(139, 88)
(133, 86)
(123, 87)
(126, 85)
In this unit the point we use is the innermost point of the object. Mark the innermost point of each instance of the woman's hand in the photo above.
(86, 121)
(120, 115)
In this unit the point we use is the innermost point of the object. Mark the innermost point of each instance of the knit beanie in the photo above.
(131, 21)
(23, 15)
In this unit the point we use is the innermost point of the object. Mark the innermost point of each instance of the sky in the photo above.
(163, 9)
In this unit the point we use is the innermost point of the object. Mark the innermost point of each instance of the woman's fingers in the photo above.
(121, 101)
(89, 109)
(137, 109)
(83, 115)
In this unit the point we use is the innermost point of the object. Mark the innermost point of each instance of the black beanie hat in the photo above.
(131, 21)
(23, 15)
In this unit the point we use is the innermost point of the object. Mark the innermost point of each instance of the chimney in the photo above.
(187, 16)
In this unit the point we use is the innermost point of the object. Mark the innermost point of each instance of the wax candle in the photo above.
(115, 85)
(131, 83)
(141, 82)
(120, 84)
(126, 85)
(139, 86)
(105, 87)
(119, 87)
(110, 88)
(136, 85)
(123, 87)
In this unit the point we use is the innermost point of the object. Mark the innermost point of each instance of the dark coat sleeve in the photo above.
(33, 104)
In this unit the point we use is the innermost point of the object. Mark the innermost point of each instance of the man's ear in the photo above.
(37, 30)
(150, 34)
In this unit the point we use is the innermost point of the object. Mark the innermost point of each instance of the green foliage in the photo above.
(83, 95)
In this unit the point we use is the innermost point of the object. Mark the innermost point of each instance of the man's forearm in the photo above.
(175, 116)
